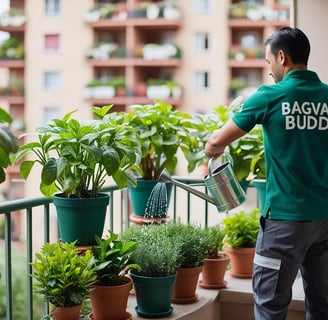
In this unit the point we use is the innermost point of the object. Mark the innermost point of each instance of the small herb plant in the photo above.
(112, 259)
(156, 253)
(214, 242)
(191, 242)
(76, 157)
(8, 143)
(241, 229)
(62, 275)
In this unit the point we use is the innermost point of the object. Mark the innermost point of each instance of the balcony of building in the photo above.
(39, 221)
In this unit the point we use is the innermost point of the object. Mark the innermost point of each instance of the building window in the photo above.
(51, 80)
(51, 42)
(202, 41)
(202, 80)
(52, 7)
(203, 6)
(50, 113)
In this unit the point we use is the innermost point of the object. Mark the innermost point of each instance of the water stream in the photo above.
(157, 204)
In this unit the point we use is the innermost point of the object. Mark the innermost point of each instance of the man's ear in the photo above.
(282, 57)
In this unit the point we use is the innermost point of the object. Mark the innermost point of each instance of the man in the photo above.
(293, 232)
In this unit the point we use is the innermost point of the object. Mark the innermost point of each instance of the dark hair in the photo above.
(293, 42)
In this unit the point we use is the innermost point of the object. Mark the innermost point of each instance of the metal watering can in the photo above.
(225, 190)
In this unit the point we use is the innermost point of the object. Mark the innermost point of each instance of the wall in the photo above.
(312, 19)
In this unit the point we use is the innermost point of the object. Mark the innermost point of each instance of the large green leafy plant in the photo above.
(62, 275)
(241, 229)
(112, 259)
(76, 157)
(8, 143)
(246, 153)
(162, 131)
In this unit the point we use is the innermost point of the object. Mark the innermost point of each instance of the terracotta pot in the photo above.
(213, 272)
(110, 302)
(184, 290)
(241, 261)
(66, 313)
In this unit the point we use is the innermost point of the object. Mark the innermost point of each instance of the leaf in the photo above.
(2, 175)
(25, 168)
(121, 178)
(4, 116)
(49, 172)
(110, 159)
(4, 158)
(48, 190)
(101, 111)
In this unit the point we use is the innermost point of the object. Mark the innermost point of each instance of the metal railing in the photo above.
(28, 208)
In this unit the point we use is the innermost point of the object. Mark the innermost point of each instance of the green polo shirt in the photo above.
(294, 117)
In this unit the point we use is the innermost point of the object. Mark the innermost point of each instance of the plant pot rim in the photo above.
(134, 273)
(225, 257)
(61, 196)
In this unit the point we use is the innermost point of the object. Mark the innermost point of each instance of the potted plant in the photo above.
(12, 48)
(118, 83)
(110, 295)
(99, 89)
(240, 234)
(64, 277)
(162, 131)
(76, 158)
(191, 242)
(8, 143)
(216, 261)
(158, 257)
(246, 153)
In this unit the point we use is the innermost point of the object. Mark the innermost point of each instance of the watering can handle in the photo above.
(212, 159)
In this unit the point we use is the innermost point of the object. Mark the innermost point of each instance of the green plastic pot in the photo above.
(139, 195)
(153, 295)
(260, 185)
(81, 219)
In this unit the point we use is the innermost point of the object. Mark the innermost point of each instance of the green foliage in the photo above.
(8, 143)
(12, 48)
(202, 128)
(191, 242)
(62, 275)
(247, 153)
(241, 229)
(213, 241)
(156, 253)
(76, 157)
(162, 131)
(19, 292)
(112, 257)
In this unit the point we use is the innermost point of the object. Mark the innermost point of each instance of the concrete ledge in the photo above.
(235, 302)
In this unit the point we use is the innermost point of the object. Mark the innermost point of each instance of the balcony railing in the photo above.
(118, 218)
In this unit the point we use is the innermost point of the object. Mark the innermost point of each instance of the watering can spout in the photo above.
(224, 189)
(166, 178)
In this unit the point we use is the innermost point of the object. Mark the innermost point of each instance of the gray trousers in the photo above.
(283, 248)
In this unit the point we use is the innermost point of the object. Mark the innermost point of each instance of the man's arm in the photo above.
(220, 138)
